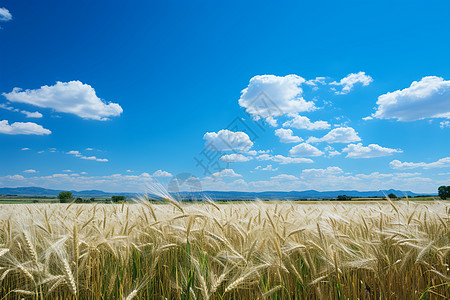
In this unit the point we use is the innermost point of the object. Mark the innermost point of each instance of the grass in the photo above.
(287, 250)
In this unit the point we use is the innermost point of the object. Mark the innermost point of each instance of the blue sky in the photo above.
(292, 95)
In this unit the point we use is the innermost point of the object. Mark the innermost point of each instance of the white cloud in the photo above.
(67, 171)
(322, 172)
(5, 15)
(441, 163)
(94, 158)
(161, 173)
(68, 97)
(270, 96)
(287, 136)
(254, 152)
(284, 177)
(427, 98)
(22, 128)
(444, 124)
(302, 122)
(226, 173)
(374, 175)
(15, 177)
(373, 150)
(304, 149)
(28, 114)
(25, 149)
(266, 168)
(338, 135)
(30, 171)
(74, 152)
(407, 174)
(226, 140)
(35, 114)
(283, 159)
(316, 81)
(350, 80)
(331, 152)
(77, 153)
(235, 157)
(83, 173)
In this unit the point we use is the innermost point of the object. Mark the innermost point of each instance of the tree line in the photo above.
(66, 197)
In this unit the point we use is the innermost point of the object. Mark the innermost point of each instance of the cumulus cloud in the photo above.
(79, 155)
(35, 114)
(350, 80)
(302, 122)
(284, 177)
(74, 152)
(287, 136)
(304, 149)
(331, 152)
(444, 124)
(226, 173)
(266, 168)
(338, 135)
(30, 171)
(235, 157)
(373, 150)
(270, 96)
(322, 172)
(427, 98)
(441, 163)
(283, 159)
(25, 149)
(5, 15)
(28, 128)
(226, 140)
(161, 173)
(72, 97)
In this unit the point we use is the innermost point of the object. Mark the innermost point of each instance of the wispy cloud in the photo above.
(79, 155)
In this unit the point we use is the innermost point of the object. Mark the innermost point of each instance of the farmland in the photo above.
(260, 250)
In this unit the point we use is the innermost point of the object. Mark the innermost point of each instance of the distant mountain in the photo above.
(232, 195)
(309, 194)
(38, 191)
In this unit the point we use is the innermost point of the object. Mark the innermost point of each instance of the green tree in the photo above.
(392, 196)
(117, 198)
(343, 198)
(444, 192)
(65, 197)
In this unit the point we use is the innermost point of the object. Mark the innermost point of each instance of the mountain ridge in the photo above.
(307, 194)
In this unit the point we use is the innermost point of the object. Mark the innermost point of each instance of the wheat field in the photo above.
(252, 250)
